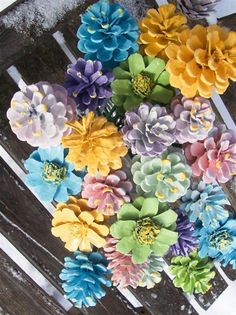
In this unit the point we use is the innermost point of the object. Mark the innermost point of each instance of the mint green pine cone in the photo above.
(192, 274)
(167, 177)
(143, 227)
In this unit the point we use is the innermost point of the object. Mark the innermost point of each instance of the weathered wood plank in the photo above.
(218, 287)
(230, 95)
(46, 62)
(15, 44)
(19, 294)
(26, 224)
(230, 272)
(164, 299)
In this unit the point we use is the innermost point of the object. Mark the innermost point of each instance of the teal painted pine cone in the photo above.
(167, 177)
(192, 274)
(144, 227)
(141, 79)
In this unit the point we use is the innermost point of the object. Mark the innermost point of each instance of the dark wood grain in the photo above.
(164, 299)
(14, 45)
(230, 272)
(27, 224)
(218, 287)
(19, 294)
(230, 95)
(46, 62)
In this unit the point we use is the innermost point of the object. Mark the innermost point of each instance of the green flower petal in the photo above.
(161, 95)
(167, 237)
(159, 248)
(132, 101)
(124, 65)
(120, 73)
(148, 60)
(138, 202)
(136, 64)
(121, 87)
(118, 100)
(121, 228)
(140, 253)
(126, 244)
(164, 78)
(128, 212)
(155, 68)
(166, 218)
(149, 207)
(162, 207)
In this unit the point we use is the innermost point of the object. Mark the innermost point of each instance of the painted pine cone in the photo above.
(166, 177)
(88, 84)
(197, 9)
(148, 130)
(39, 113)
(83, 276)
(194, 118)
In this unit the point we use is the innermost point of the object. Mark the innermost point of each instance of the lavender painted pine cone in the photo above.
(39, 113)
(88, 84)
(148, 130)
(194, 118)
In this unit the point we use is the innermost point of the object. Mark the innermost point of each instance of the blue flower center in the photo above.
(221, 240)
(53, 172)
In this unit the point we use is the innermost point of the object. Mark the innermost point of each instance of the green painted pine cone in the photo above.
(141, 79)
(192, 274)
(143, 227)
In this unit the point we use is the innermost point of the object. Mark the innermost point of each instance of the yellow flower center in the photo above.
(142, 85)
(53, 172)
(220, 240)
(146, 231)
(79, 230)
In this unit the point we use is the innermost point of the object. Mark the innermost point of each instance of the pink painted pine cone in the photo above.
(194, 118)
(214, 158)
(39, 113)
(107, 193)
(124, 272)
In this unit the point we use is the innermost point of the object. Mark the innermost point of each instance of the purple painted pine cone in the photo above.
(88, 84)
(186, 241)
(39, 113)
(194, 118)
(197, 9)
(148, 130)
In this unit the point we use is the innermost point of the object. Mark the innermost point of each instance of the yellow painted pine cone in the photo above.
(79, 226)
(160, 28)
(205, 59)
(96, 144)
